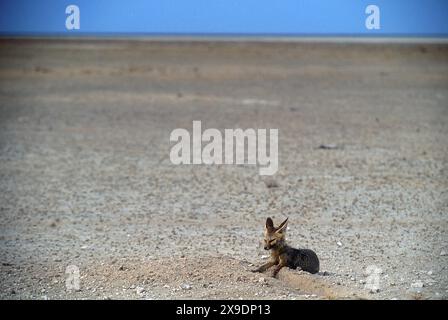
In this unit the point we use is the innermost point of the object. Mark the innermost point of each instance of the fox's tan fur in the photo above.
(283, 255)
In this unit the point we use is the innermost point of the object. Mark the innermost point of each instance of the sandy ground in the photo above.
(86, 180)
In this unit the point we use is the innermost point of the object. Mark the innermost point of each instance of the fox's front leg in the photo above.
(279, 266)
(266, 266)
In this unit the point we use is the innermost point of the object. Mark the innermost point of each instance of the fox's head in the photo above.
(273, 236)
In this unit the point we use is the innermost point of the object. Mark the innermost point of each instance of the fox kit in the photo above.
(283, 255)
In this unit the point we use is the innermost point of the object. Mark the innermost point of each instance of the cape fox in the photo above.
(283, 255)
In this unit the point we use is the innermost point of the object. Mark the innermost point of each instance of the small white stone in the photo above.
(418, 284)
(185, 286)
(430, 273)
(140, 290)
(339, 243)
(264, 256)
(443, 253)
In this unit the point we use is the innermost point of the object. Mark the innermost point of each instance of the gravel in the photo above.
(86, 181)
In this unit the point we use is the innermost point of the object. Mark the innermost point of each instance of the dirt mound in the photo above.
(187, 278)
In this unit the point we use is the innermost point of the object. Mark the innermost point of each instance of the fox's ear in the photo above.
(269, 224)
(282, 227)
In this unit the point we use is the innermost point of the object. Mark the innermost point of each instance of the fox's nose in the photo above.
(266, 247)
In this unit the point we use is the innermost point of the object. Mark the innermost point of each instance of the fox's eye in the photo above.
(272, 241)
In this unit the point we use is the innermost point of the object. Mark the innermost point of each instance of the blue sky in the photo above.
(189, 17)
